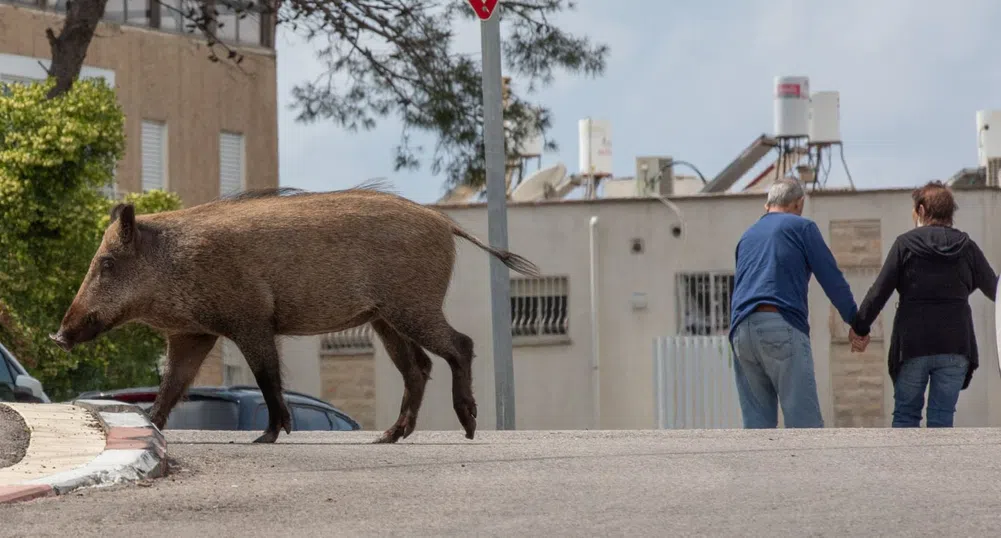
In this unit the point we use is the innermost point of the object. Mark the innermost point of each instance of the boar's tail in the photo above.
(509, 259)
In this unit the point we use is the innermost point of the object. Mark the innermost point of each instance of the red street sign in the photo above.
(483, 8)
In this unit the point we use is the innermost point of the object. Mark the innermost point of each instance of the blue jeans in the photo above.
(774, 366)
(946, 373)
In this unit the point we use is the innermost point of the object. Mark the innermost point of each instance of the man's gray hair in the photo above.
(784, 192)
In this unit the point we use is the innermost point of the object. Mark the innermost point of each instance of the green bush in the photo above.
(55, 157)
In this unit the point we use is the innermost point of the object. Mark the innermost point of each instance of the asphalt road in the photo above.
(834, 482)
(14, 437)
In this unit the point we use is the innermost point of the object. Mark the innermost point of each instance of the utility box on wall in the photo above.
(654, 176)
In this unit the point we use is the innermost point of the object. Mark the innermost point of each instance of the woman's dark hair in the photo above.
(937, 201)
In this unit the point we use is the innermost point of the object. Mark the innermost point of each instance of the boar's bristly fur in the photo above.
(284, 262)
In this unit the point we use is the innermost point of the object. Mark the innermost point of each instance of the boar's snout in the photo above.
(76, 329)
(60, 339)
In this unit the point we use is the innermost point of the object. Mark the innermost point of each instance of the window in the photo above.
(309, 418)
(239, 21)
(539, 309)
(110, 191)
(154, 155)
(134, 12)
(339, 423)
(204, 415)
(230, 163)
(261, 417)
(15, 79)
(253, 26)
(7, 374)
(704, 303)
(29, 69)
(353, 341)
(137, 12)
(172, 14)
(6, 79)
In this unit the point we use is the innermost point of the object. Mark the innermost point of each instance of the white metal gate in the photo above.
(693, 383)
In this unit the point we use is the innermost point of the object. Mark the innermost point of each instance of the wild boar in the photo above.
(284, 262)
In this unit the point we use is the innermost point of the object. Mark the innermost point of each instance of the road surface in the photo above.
(833, 482)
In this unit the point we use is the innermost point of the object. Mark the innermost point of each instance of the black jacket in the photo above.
(934, 269)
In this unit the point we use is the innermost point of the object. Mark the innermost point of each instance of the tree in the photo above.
(386, 57)
(55, 156)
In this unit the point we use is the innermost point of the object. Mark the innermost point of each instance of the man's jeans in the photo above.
(774, 366)
(946, 373)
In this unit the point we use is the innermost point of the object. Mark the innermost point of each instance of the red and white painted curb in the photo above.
(134, 450)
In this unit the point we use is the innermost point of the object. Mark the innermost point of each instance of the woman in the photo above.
(934, 268)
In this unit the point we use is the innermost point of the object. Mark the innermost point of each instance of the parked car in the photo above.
(16, 384)
(238, 407)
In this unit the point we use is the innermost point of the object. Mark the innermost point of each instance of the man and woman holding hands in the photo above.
(934, 268)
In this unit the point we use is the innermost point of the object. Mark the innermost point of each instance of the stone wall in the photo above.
(348, 383)
(858, 379)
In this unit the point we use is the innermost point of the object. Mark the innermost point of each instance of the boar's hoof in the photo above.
(268, 437)
(467, 417)
(391, 435)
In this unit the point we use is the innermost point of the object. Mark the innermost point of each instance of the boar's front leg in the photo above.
(262, 357)
(185, 355)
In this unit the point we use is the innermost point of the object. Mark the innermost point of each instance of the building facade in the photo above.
(654, 274)
(195, 127)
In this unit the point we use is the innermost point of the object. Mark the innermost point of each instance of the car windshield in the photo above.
(201, 415)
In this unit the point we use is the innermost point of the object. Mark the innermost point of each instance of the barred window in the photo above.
(704, 303)
(353, 341)
(539, 309)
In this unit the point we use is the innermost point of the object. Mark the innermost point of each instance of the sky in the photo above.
(693, 80)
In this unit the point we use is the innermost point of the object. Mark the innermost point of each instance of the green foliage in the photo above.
(55, 156)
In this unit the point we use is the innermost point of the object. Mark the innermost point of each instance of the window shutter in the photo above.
(153, 155)
(230, 163)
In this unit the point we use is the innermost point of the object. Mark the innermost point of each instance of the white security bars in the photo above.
(539, 310)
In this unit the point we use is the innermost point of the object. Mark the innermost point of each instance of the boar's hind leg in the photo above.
(415, 367)
(262, 357)
(185, 355)
(433, 332)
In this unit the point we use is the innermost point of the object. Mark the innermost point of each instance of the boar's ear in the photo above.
(116, 212)
(126, 213)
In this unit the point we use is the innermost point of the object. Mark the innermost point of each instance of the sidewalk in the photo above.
(87, 443)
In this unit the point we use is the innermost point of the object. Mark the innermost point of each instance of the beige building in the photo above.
(192, 126)
(646, 278)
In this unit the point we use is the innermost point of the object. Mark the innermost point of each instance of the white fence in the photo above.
(694, 385)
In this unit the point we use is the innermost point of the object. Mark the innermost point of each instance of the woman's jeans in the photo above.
(946, 374)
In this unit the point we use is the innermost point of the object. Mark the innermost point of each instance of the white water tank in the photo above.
(988, 135)
(595, 149)
(825, 117)
(792, 106)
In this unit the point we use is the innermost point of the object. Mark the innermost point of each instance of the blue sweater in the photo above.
(775, 258)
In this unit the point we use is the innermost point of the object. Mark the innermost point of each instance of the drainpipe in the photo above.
(595, 372)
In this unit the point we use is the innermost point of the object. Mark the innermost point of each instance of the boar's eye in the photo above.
(107, 264)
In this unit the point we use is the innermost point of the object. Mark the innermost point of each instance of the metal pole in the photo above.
(500, 284)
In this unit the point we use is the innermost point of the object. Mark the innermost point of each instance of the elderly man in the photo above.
(769, 328)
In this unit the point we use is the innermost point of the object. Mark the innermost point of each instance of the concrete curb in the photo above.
(134, 450)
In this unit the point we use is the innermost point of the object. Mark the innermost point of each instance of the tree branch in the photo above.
(69, 48)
